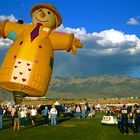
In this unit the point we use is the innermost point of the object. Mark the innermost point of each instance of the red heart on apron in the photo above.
(23, 79)
(28, 64)
(20, 73)
(29, 69)
(14, 77)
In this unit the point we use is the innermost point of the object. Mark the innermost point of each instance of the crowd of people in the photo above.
(129, 117)
(79, 111)
(21, 113)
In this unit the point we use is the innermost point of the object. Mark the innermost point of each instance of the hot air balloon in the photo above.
(27, 67)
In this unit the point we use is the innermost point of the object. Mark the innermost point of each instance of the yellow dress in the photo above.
(28, 64)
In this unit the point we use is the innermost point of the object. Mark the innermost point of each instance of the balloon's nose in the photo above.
(42, 14)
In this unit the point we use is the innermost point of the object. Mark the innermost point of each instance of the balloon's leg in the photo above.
(18, 96)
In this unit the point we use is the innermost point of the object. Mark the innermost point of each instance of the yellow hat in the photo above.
(50, 7)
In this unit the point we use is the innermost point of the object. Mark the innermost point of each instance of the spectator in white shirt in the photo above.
(22, 117)
(33, 115)
(78, 112)
(53, 115)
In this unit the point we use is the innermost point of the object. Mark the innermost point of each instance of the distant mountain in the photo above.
(94, 87)
(90, 87)
(5, 95)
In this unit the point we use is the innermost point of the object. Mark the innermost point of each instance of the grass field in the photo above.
(83, 129)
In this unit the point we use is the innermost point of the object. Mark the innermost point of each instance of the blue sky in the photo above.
(109, 30)
(94, 15)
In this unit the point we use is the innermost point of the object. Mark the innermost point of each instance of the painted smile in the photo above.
(41, 20)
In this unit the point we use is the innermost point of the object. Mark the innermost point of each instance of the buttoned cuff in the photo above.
(70, 42)
(2, 28)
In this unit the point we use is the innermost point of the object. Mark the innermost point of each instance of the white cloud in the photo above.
(4, 17)
(133, 21)
(136, 49)
(5, 43)
(79, 32)
(113, 37)
(105, 42)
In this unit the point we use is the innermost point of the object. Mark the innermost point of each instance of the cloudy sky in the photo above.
(108, 29)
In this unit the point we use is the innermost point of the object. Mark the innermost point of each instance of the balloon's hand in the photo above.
(75, 44)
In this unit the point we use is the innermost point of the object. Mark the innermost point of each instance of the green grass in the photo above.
(83, 129)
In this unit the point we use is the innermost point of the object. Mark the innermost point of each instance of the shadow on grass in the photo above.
(41, 123)
(28, 123)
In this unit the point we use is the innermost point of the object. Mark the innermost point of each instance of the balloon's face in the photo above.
(45, 17)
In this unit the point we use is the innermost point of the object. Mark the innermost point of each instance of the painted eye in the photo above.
(40, 10)
(49, 12)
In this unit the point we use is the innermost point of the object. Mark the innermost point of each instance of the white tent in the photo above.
(98, 106)
(56, 103)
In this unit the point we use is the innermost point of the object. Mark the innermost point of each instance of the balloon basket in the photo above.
(18, 96)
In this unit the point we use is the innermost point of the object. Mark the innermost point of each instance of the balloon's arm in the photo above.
(65, 41)
(11, 29)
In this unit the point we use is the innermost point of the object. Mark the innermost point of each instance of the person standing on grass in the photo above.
(33, 115)
(83, 108)
(78, 112)
(5, 112)
(119, 119)
(45, 114)
(124, 124)
(16, 119)
(22, 117)
(28, 112)
(88, 110)
(1, 113)
(12, 115)
(91, 113)
(137, 117)
(53, 115)
(131, 119)
(69, 112)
